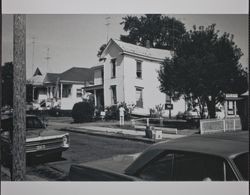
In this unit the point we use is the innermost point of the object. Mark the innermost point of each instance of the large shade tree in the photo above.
(159, 31)
(204, 68)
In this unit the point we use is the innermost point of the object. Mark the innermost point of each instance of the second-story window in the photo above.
(139, 69)
(113, 68)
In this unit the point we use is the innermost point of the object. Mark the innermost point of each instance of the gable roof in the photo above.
(36, 80)
(77, 74)
(135, 50)
(37, 72)
(51, 78)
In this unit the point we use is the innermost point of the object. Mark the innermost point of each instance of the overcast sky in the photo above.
(73, 40)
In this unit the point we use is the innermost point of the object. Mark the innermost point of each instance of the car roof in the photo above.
(225, 145)
(10, 116)
(221, 144)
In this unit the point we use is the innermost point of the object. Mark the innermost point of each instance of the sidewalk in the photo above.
(112, 129)
(137, 135)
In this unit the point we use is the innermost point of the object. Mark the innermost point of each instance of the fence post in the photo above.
(234, 124)
(133, 123)
(224, 125)
(161, 121)
(201, 127)
(147, 122)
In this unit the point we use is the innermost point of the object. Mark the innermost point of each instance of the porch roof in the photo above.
(93, 87)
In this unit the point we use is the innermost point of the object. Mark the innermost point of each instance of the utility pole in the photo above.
(18, 166)
(33, 54)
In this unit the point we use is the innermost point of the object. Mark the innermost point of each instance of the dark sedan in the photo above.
(40, 141)
(217, 157)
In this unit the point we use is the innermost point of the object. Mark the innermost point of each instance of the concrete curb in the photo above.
(112, 135)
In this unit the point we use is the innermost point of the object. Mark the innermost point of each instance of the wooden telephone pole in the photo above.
(18, 168)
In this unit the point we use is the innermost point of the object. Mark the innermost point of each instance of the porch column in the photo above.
(225, 108)
(61, 90)
(47, 92)
(95, 97)
(33, 93)
(235, 108)
(51, 92)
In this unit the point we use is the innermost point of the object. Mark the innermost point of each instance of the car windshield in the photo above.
(241, 162)
(31, 124)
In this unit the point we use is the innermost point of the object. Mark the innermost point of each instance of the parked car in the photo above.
(40, 141)
(218, 157)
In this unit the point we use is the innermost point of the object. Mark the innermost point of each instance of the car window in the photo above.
(186, 166)
(197, 167)
(242, 163)
(33, 123)
(160, 169)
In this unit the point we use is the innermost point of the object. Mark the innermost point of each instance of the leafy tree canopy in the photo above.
(205, 67)
(162, 31)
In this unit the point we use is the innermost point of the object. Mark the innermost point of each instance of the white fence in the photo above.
(220, 125)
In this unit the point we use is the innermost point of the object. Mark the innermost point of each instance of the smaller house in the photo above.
(38, 89)
(61, 90)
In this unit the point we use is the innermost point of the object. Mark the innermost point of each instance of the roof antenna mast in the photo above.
(47, 58)
(107, 25)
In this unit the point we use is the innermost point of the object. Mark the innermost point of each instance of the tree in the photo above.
(101, 49)
(204, 68)
(161, 31)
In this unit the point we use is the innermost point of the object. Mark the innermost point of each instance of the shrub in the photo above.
(112, 112)
(83, 112)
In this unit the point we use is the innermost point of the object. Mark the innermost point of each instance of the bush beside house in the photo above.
(112, 112)
(83, 112)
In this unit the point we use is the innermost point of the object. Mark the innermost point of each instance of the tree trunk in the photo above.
(211, 106)
(19, 100)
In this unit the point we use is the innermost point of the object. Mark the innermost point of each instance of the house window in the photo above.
(66, 91)
(139, 69)
(113, 95)
(78, 92)
(230, 108)
(138, 96)
(113, 68)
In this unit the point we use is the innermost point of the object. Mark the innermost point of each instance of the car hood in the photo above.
(43, 133)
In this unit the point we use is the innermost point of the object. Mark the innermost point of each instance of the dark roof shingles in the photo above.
(76, 74)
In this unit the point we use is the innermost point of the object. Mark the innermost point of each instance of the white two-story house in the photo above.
(131, 76)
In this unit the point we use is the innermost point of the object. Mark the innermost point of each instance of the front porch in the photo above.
(97, 91)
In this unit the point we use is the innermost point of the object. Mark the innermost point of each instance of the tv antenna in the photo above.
(107, 25)
(47, 59)
(33, 53)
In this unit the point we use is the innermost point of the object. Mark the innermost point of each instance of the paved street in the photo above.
(83, 148)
